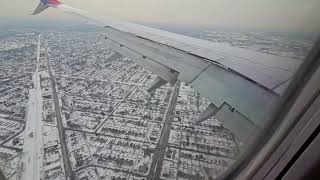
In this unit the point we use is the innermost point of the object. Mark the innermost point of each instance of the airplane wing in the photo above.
(242, 85)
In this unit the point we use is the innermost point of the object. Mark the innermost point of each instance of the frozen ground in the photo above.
(32, 150)
(82, 65)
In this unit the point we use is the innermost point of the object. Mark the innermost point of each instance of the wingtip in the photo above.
(41, 7)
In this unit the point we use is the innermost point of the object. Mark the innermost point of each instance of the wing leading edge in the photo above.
(241, 85)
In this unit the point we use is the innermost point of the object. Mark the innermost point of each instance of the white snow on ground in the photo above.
(32, 149)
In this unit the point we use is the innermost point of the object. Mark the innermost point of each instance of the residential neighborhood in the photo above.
(71, 107)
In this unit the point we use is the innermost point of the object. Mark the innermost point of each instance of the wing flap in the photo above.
(222, 86)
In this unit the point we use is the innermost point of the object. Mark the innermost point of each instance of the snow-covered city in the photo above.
(73, 108)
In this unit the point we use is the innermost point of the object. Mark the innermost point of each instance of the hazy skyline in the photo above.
(296, 15)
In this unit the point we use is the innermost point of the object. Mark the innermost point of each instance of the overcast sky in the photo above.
(297, 15)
